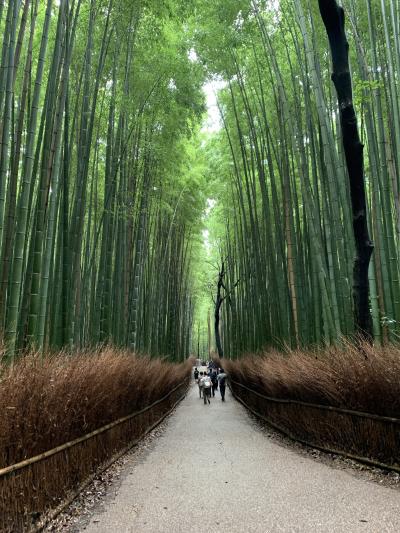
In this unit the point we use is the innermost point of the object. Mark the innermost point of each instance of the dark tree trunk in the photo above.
(333, 16)
(216, 326)
(218, 303)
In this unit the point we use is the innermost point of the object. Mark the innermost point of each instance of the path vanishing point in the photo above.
(213, 469)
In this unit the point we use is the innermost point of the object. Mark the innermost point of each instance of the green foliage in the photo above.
(116, 207)
(281, 213)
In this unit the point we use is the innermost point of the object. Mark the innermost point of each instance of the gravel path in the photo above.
(213, 469)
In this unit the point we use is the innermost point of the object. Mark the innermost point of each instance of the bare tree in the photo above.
(222, 294)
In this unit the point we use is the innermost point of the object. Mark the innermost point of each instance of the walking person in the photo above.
(214, 381)
(200, 383)
(196, 374)
(222, 383)
(206, 388)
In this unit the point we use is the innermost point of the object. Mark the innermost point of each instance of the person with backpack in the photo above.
(214, 381)
(200, 383)
(207, 384)
(196, 374)
(222, 383)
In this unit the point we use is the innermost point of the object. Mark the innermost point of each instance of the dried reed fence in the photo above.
(344, 401)
(128, 395)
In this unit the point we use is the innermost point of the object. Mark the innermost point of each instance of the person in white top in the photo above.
(206, 386)
(199, 382)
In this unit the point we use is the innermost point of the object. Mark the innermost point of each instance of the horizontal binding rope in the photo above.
(319, 406)
(286, 432)
(23, 464)
(41, 526)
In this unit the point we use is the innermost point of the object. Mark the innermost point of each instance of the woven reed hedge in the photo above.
(101, 391)
(365, 381)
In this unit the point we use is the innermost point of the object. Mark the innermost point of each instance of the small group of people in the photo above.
(209, 381)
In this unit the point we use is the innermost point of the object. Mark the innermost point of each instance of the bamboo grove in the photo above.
(288, 246)
(107, 180)
(97, 102)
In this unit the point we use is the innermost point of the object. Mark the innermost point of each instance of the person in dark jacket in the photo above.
(214, 381)
(222, 383)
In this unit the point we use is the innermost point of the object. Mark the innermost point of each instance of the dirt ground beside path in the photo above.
(212, 468)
